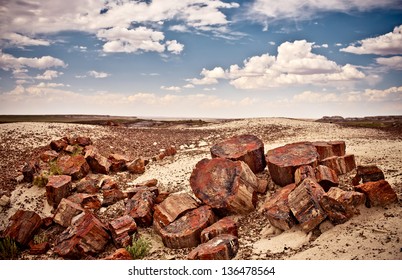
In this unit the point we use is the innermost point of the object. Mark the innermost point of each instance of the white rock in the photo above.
(4, 200)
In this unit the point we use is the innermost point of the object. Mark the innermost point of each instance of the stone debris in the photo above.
(222, 247)
(97, 162)
(57, 188)
(122, 230)
(379, 193)
(223, 226)
(369, 173)
(66, 211)
(74, 166)
(23, 226)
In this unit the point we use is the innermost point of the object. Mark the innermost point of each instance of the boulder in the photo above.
(75, 166)
(303, 172)
(326, 177)
(111, 196)
(185, 232)
(369, 173)
(86, 185)
(48, 156)
(225, 185)
(277, 209)
(379, 193)
(122, 230)
(141, 207)
(118, 162)
(223, 226)
(87, 201)
(97, 162)
(57, 188)
(283, 161)
(38, 249)
(333, 163)
(29, 170)
(222, 247)
(23, 226)
(59, 145)
(137, 166)
(346, 163)
(338, 148)
(305, 206)
(119, 254)
(80, 140)
(324, 149)
(66, 211)
(247, 148)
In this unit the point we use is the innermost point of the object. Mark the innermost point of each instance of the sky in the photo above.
(201, 58)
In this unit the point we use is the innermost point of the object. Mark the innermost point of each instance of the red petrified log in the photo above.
(118, 162)
(247, 148)
(87, 201)
(324, 149)
(185, 231)
(140, 208)
(38, 249)
(283, 161)
(122, 229)
(119, 254)
(87, 185)
(58, 187)
(111, 196)
(326, 177)
(226, 185)
(338, 148)
(23, 225)
(333, 163)
(346, 163)
(222, 247)
(277, 208)
(369, 173)
(379, 193)
(66, 211)
(59, 145)
(137, 166)
(50, 155)
(75, 166)
(97, 162)
(305, 206)
(223, 226)
(303, 172)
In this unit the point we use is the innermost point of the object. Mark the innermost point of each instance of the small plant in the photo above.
(41, 180)
(140, 247)
(8, 249)
(54, 169)
(77, 150)
(40, 238)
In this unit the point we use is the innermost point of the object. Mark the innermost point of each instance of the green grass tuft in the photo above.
(140, 247)
(8, 249)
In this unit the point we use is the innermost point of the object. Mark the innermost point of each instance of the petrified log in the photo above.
(122, 229)
(38, 249)
(226, 185)
(111, 196)
(48, 156)
(87, 237)
(162, 196)
(338, 148)
(303, 172)
(277, 208)
(109, 184)
(283, 161)
(326, 177)
(87, 201)
(119, 254)
(137, 166)
(74, 166)
(59, 145)
(379, 193)
(58, 187)
(369, 173)
(23, 226)
(223, 226)
(324, 149)
(185, 231)
(86, 185)
(247, 148)
(172, 207)
(80, 140)
(132, 191)
(305, 206)
(66, 211)
(222, 247)
(148, 183)
(29, 170)
(333, 163)
(140, 208)
(118, 162)
(97, 162)
(346, 163)
(262, 186)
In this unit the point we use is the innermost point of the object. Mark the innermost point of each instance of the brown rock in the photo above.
(87, 237)
(29, 171)
(97, 162)
(305, 206)
(369, 173)
(228, 186)
(324, 149)
(74, 166)
(161, 197)
(109, 184)
(140, 208)
(80, 140)
(23, 226)
(122, 229)
(283, 161)
(247, 148)
(346, 163)
(111, 196)
(303, 172)
(223, 226)
(66, 212)
(38, 249)
(170, 151)
(185, 231)
(172, 207)
(58, 187)
(119, 254)
(333, 163)
(338, 148)
(148, 183)
(222, 247)
(59, 145)
(137, 166)
(118, 162)
(48, 156)
(87, 201)
(132, 191)
(277, 208)
(379, 193)
(326, 177)
(87, 185)
(262, 186)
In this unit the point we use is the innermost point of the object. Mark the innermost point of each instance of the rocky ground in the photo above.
(374, 234)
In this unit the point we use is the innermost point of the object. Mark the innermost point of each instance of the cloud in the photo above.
(171, 88)
(394, 62)
(22, 40)
(174, 47)
(98, 75)
(49, 75)
(390, 94)
(9, 62)
(387, 44)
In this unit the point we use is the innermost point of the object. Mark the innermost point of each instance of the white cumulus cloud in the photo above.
(9, 62)
(98, 75)
(49, 75)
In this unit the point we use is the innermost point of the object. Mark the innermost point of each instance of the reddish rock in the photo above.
(66, 212)
(326, 177)
(247, 148)
(324, 149)
(122, 229)
(59, 145)
(38, 249)
(87, 201)
(86, 237)
(140, 208)
(283, 161)
(29, 171)
(170, 151)
(172, 207)
(132, 191)
(346, 163)
(262, 186)
(47, 222)
(119, 254)
(277, 208)
(58, 187)
(161, 197)
(222, 247)
(148, 183)
(48, 156)
(23, 226)
(74, 166)
(369, 173)
(118, 162)
(97, 162)
(379, 193)
(109, 184)
(73, 149)
(185, 232)
(223, 226)
(87, 185)
(80, 140)
(226, 185)
(338, 148)
(303, 172)
(112, 196)
(137, 166)
(333, 163)
(305, 206)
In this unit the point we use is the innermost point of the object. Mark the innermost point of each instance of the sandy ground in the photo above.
(374, 234)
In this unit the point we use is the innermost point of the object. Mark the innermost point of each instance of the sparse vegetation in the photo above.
(140, 247)
(8, 249)
(54, 169)
(41, 180)
(40, 238)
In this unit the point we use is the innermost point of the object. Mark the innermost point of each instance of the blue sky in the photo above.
(201, 58)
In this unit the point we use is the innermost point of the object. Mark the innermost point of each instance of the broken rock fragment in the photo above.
(379, 193)
(23, 226)
(57, 188)
(223, 226)
(369, 173)
(222, 247)
(97, 162)
(74, 166)
(122, 230)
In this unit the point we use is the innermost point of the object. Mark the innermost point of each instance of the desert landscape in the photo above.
(373, 234)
